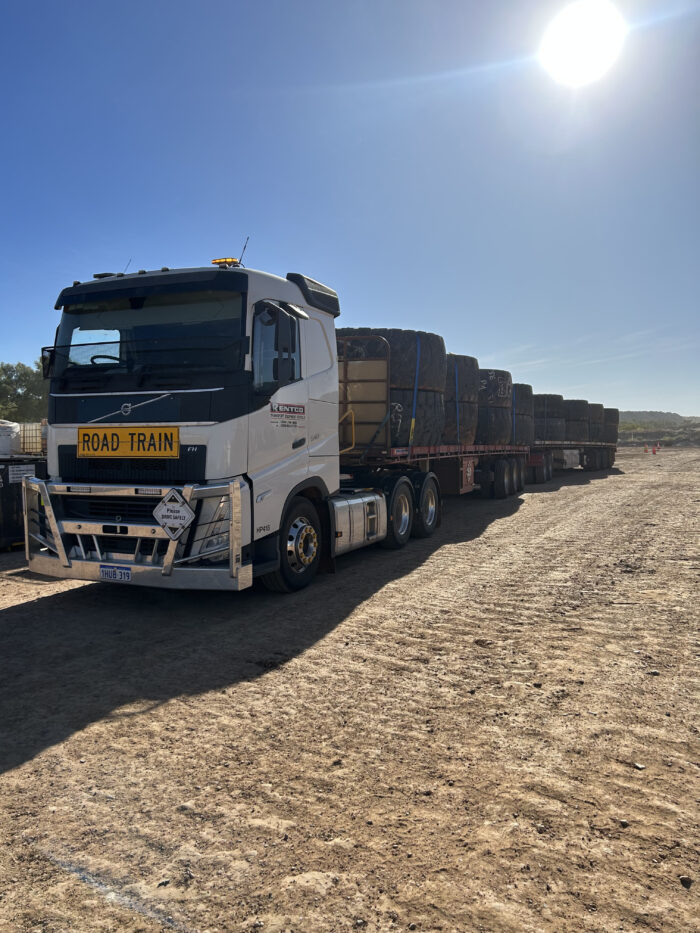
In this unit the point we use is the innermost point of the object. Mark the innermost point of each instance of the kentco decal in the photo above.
(287, 415)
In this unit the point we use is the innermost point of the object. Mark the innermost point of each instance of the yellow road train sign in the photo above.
(128, 442)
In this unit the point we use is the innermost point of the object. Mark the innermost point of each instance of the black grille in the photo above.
(189, 467)
(129, 510)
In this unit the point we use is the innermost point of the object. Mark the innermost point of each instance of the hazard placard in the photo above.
(173, 514)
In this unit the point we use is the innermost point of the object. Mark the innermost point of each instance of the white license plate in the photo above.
(111, 573)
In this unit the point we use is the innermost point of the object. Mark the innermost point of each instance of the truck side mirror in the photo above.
(48, 358)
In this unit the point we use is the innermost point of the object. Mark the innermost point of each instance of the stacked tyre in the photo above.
(417, 369)
(461, 399)
(596, 422)
(576, 413)
(494, 424)
(550, 418)
(611, 421)
(523, 419)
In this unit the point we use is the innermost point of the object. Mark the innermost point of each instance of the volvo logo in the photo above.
(126, 409)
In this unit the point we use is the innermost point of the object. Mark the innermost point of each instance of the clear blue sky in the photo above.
(411, 154)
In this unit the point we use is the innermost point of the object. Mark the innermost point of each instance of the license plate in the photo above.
(129, 442)
(111, 573)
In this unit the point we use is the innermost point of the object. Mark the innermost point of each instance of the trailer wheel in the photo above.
(399, 515)
(483, 478)
(548, 466)
(427, 512)
(518, 475)
(300, 548)
(501, 479)
(540, 471)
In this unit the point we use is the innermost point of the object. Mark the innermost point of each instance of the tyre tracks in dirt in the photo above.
(493, 729)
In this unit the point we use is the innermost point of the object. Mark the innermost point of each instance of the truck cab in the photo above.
(193, 430)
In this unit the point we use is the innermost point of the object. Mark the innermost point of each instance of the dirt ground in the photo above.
(494, 729)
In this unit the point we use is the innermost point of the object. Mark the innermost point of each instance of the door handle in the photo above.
(299, 442)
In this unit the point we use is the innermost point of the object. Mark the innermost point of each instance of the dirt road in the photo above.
(494, 729)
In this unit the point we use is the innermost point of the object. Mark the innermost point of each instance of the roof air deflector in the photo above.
(315, 294)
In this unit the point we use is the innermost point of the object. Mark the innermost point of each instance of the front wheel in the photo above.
(300, 548)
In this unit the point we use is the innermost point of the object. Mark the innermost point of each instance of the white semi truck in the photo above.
(202, 433)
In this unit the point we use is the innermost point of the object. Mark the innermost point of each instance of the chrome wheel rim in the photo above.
(429, 506)
(403, 514)
(302, 545)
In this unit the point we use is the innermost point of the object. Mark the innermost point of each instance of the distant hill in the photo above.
(652, 417)
(664, 427)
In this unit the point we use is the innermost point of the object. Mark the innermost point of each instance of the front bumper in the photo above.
(63, 538)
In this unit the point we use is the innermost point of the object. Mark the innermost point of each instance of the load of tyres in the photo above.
(417, 367)
(523, 415)
(461, 399)
(439, 398)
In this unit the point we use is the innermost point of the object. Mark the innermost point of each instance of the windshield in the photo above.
(182, 334)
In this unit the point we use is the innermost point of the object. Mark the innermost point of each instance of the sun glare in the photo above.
(582, 42)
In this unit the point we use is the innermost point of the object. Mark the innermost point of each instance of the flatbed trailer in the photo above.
(547, 456)
(497, 470)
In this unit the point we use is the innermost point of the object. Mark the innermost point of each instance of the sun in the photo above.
(582, 42)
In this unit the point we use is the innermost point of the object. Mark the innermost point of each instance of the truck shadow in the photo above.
(71, 658)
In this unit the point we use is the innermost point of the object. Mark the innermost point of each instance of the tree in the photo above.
(23, 392)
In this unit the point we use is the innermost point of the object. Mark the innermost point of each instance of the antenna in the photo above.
(128, 264)
(240, 258)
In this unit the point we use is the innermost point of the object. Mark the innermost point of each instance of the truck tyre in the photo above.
(427, 512)
(300, 548)
(501, 479)
(540, 471)
(548, 466)
(399, 515)
(522, 473)
(514, 471)
(485, 482)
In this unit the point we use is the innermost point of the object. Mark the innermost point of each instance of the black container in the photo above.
(11, 517)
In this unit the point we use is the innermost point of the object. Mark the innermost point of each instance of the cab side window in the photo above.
(276, 357)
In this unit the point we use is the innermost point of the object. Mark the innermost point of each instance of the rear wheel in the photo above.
(514, 476)
(427, 512)
(400, 515)
(502, 479)
(518, 474)
(548, 466)
(300, 548)
(540, 471)
(485, 484)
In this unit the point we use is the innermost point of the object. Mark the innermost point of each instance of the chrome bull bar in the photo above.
(47, 529)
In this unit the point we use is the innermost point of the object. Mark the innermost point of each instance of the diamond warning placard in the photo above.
(173, 514)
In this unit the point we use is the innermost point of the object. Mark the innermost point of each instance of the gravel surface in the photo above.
(493, 729)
